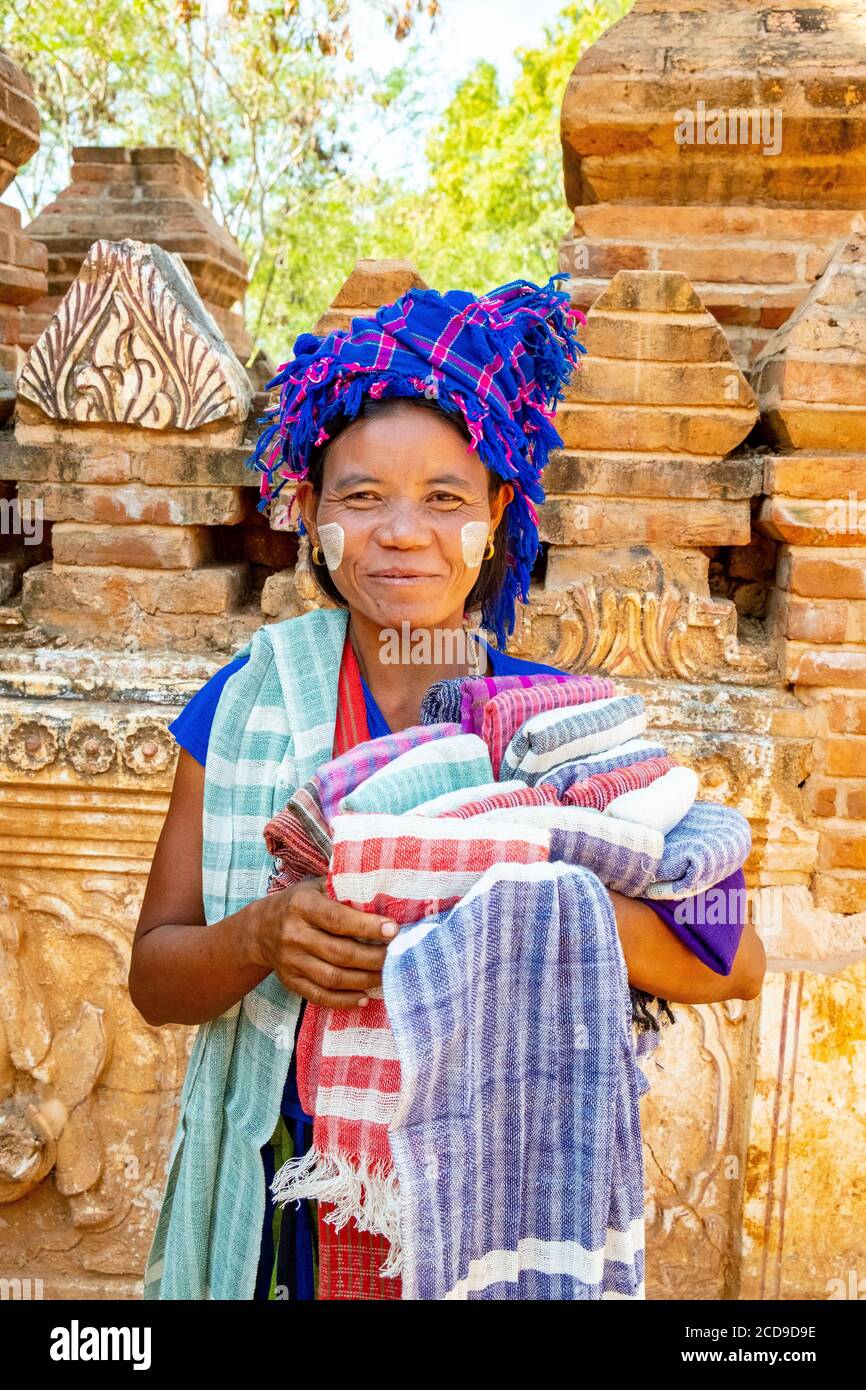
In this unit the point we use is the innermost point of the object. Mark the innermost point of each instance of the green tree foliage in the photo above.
(494, 209)
(251, 89)
(255, 93)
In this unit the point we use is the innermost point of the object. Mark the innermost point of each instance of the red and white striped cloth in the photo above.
(405, 867)
(408, 867)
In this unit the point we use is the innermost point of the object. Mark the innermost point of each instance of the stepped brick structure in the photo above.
(810, 379)
(148, 194)
(721, 141)
(23, 262)
(725, 142)
(703, 544)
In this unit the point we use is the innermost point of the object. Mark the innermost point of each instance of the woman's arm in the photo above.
(180, 972)
(658, 962)
(183, 971)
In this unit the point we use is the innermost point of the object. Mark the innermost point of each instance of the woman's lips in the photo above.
(401, 577)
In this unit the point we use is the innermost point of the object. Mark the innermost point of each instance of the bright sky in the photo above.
(466, 30)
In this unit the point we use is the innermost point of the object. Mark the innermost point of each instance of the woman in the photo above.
(410, 439)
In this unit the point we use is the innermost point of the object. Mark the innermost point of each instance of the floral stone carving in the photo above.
(632, 632)
(132, 343)
(47, 1119)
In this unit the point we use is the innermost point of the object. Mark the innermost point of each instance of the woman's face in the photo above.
(402, 487)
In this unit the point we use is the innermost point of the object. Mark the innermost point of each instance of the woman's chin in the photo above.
(392, 610)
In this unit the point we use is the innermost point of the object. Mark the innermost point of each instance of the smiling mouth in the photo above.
(406, 576)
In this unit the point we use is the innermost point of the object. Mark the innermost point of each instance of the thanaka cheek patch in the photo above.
(473, 538)
(331, 539)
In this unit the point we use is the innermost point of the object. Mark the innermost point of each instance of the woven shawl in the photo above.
(274, 726)
(522, 1177)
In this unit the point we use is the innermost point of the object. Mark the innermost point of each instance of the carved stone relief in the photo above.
(131, 343)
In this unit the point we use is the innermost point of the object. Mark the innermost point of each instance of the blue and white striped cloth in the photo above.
(634, 750)
(517, 1135)
(709, 843)
(562, 735)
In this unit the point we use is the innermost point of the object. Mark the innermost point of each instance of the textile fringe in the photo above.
(641, 1014)
(367, 1193)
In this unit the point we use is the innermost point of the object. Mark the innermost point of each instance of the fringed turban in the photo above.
(501, 360)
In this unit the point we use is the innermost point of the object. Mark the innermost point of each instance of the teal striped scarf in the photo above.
(274, 726)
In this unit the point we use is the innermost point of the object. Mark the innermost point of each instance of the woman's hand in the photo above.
(182, 971)
(324, 951)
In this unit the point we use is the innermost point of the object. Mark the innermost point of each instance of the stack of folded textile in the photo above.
(481, 1111)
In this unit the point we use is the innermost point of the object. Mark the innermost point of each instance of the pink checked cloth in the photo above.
(476, 691)
(503, 715)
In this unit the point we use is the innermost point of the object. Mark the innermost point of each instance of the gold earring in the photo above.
(317, 554)
(488, 554)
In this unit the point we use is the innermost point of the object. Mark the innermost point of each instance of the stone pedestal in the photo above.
(130, 435)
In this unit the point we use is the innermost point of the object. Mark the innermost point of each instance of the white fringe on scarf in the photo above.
(367, 1193)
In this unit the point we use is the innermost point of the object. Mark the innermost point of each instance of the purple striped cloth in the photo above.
(625, 856)
(708, 844)
(516, 1138)
(339, 777)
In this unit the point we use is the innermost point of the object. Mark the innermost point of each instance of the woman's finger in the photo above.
(336, 977)
(316, 994)
(339, 950)
(330, 916)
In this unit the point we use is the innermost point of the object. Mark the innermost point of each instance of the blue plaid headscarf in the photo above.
(501, 360)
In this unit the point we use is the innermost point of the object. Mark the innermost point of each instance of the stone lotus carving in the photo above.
(90, 747)
(131, 343)
(31, 745)
(148, 748)
(47, 1117)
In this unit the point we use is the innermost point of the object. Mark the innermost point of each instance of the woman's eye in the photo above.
(445, 497)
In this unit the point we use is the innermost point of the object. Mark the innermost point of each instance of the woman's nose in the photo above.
(405, 525)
